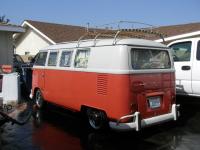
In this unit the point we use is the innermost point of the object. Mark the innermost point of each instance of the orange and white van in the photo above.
(124, 83)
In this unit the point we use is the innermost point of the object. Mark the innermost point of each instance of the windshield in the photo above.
(150, 59)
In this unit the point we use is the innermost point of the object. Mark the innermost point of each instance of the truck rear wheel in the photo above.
(38, 99)
(96, 118)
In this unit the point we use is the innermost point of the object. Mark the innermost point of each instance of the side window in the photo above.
(65, 58)
(41, 59)
(52, 58)
(81, 59)
(181, 51)
(198, 51)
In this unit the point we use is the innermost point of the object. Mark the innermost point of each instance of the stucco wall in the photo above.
(31, 42)
(6, 48)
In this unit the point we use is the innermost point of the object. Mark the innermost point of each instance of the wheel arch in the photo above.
(85, 107)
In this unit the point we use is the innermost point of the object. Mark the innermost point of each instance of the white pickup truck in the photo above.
(186, 55)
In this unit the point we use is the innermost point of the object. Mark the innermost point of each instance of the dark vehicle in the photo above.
(25, 72)
(17, 63)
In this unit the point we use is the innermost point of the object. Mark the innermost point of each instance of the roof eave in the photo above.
(26, 23)
(13, 29)
(179, 36)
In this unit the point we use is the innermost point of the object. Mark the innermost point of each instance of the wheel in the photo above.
(39, 99)
(37, 116)
(97, 119)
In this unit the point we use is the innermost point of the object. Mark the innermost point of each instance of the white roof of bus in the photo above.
(106, 42)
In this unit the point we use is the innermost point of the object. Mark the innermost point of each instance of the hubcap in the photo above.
(38, 99)
(96, 119)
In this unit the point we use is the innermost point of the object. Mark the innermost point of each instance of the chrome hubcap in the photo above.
(96, 118)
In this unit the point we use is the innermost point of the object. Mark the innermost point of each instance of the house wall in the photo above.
(6, 48)
(30, 42)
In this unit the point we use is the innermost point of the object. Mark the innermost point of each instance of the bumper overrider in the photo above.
(139, 123)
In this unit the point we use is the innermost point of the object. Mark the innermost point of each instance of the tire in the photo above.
(97, 119)
(37, 118)
(39, 101)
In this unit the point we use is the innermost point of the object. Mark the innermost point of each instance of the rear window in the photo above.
(150, 59)
(41, 59)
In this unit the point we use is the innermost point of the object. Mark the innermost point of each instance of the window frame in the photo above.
(70, 60)
(76, 55)
(133, 49)
(56, 61)
(198, 51)
(37, 56)
(182, 43)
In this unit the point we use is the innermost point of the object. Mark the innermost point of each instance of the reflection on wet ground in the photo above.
(55, 128)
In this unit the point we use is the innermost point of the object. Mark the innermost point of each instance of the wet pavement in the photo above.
(55, 128)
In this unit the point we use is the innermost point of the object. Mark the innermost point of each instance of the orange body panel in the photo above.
(117, 95)
(152, 85)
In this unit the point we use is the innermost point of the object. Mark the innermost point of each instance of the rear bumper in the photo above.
(138, 123)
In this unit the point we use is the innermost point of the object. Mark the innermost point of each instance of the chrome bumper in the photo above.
(137, 124)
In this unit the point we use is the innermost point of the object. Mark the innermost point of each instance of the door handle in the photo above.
(185, 68)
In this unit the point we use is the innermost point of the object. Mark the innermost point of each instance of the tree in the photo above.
(4, 20)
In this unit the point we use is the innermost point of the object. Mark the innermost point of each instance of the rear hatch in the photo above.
(152, 81)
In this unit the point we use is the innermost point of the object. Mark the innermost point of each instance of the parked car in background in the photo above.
(25, 72)
(17, 63)
(186, 55)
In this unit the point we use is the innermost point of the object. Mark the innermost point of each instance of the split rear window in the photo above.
(150, 59)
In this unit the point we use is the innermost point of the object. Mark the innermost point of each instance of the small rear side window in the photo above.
(198, 51)
(65, 60)
(81, 60)
(52, 58)
(41, 59)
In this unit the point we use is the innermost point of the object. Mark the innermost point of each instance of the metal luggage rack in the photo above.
(115, 33)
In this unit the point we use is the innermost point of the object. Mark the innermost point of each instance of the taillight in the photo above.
(134, 107)
(173, 99)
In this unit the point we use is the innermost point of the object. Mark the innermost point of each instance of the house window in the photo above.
(52, 58)
(198, 51)
(181, 51)
(41, 59)
(81, 59)
(65, 58)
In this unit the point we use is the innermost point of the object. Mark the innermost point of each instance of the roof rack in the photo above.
(97, 33)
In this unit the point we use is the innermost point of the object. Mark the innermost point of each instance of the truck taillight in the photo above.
(134, 107)
(173, 99)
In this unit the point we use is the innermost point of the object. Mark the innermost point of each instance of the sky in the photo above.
(98, 12)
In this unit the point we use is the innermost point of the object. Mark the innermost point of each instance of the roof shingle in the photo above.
(174, 30)
(62, 33)
(58, 32)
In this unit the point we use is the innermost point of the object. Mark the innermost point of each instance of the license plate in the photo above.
(154, 102)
